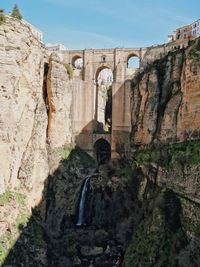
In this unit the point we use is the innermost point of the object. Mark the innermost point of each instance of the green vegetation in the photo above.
(153, 248)
(126, 172)
(69, 71)
(194, 51)
(190, 219)
(83, 157)
(159, 238)
(69, 243)
(20, 198)
(24, 236)
(8, 238)
(66, 152)
(6, 244)
(38, 235)
(79, 155)
(6, 197)
(9, 195)
(22, 220)
(2, 16)
(169, 156)
(16, 13)
(30, 243)
(160, 66)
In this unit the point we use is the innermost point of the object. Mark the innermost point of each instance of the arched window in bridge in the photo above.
(77, 62)
(133, 62)
(105, 76)
(103, 58)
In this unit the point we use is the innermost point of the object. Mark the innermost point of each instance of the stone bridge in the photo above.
(90, 102)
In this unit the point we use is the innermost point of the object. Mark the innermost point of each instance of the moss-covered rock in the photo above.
(169, 156)
(159, 237)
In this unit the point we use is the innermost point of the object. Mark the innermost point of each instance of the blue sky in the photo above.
(106, 23)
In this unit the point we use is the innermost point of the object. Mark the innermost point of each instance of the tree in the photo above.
(2, 16)
(16, 13)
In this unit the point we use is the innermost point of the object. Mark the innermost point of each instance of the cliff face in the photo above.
(34, 100)
(59, 95)
(23, 117)
(154, 197)
(165, 100)
(165, 140)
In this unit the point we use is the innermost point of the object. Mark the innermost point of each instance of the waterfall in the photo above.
(81, 219)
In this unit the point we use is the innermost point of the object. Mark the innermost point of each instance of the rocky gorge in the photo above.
(139, 211)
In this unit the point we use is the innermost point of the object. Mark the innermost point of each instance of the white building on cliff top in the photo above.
(196, 28)
(55, 47)
(187, 32)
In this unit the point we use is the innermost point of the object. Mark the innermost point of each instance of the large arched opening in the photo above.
(102, 151)
(103, 100)
(133, 64)
(133, 61)
(77, 62)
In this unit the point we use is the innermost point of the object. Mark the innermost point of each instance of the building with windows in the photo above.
(196, 28)
(183, 34)
(171, 37)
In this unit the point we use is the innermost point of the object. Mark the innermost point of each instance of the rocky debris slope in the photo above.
(165, 101)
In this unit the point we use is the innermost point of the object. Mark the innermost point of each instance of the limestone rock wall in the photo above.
(35, 101)
(165, 99)
(23, 116)
(59, 91)
(37, 111)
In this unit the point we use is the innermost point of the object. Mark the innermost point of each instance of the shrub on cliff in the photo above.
(16, 13)
(2, 16)
(69, 71)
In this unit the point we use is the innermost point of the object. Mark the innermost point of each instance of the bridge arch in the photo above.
(77, 62)
(101, 68)
(133, 61)
(102, 150)
(103, 98)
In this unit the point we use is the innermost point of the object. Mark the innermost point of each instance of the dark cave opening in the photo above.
(102, 150)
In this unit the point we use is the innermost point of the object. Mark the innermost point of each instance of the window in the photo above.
(103, 58)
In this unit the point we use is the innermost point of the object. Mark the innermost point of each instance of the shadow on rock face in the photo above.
(51, 238)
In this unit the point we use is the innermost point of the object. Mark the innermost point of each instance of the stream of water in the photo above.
(81, 210)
